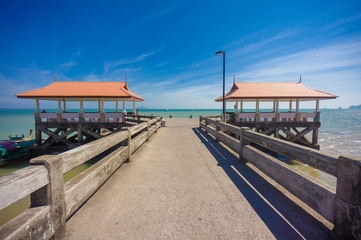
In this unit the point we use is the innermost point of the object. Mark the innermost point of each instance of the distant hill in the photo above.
(355, 107)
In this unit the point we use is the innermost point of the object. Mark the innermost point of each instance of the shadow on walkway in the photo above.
(284, 218)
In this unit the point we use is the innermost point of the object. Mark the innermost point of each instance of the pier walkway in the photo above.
(181, 184)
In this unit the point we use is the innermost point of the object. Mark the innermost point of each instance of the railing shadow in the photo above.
(283, 217)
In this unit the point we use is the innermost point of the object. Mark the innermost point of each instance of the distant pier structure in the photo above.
(291, 125)
(67, 130)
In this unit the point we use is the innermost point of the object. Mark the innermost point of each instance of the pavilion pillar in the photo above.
(37, 107)
(277, 117)
(241, 105)
(316, 119)
(236, 106)
(257, 111)
(81, 117)
(99, 105)
(290, 107)
(290, 110)
(133, 106)
(123, 105)
(37, 121)
(116, 105)
(58, 114)
(274, 105)
(297, 109)
(64, 105)
(59, 105)
(102, 114)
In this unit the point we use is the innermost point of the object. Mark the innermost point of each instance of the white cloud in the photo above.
(113, 65)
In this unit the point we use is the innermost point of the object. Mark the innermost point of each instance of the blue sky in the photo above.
(167, 48)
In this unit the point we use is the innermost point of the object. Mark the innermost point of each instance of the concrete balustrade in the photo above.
(52, 201)
(340, 204)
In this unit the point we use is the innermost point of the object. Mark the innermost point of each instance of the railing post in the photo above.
(217, 129)
(242, 143)
(52, 194)
(348, 198)
(102, 117)
(148, 133)
(129, 144)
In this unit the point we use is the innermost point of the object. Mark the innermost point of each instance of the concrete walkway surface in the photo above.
(181, 184)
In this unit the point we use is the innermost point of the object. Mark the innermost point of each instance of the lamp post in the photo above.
(224, 103)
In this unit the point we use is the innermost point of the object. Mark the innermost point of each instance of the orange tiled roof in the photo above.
(273, 90)
(88, 90)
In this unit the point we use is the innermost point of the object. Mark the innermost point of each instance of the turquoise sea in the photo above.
(340, 131)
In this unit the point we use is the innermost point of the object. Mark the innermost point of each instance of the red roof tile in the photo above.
(273, 90)
(90, 90)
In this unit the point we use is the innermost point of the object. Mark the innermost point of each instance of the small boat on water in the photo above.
(15, 149)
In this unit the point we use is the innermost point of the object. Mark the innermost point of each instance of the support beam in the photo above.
(133, 107)
(274, 105)
(317, 105)
(116, 105)
(99, 107)
(123, 105)
(241, 105)
(257, 105)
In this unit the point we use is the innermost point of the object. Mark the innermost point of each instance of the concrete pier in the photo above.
(182, 184)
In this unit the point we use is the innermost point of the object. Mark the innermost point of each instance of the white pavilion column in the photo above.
(241, 106)
(297, 109)
(59, 105)
(290, 108)
(257, 111)
(317, 105)
(81, 105)
(123, 105)
(99, 107)
(58, 114)
(37, 119)
(116, 105)
(102, 114)
(64, 105)
(236, 105)
(277, 105)
(37, 108)
(133, 107)
(274, 105)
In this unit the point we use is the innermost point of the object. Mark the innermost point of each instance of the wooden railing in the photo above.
(277, 116)
(80, 117)
(341, 205)
(52, 201)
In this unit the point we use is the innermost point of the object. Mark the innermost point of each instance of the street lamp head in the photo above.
(219, 52)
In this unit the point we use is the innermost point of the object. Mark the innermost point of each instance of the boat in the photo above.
(16, 149)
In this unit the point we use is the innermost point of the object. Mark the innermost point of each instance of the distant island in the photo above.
(355, 107)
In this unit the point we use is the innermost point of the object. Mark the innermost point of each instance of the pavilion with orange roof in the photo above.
(85, 123)
(273, 122)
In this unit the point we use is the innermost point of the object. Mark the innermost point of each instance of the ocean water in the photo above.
(339, 134)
